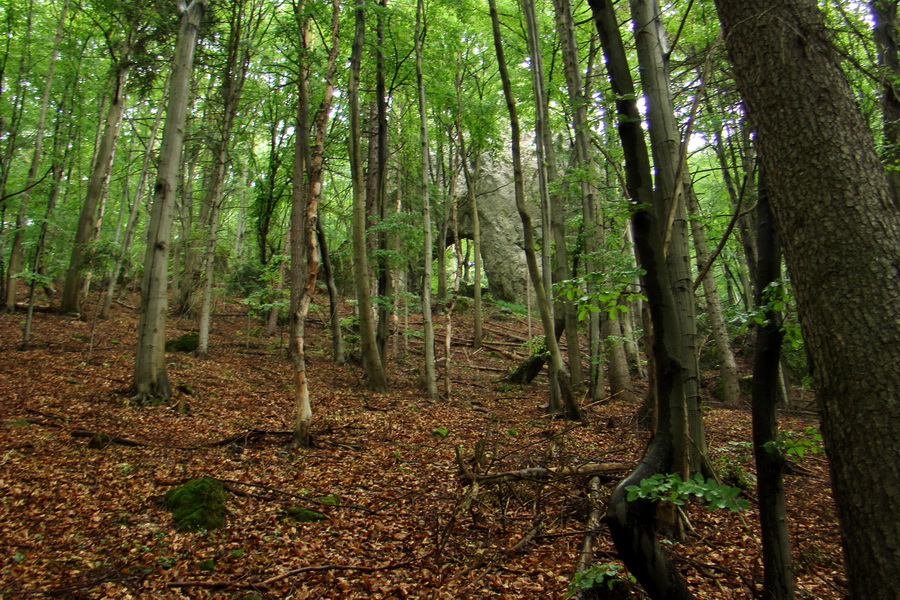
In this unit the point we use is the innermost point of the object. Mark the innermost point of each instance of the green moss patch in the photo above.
(185, 343)
(304, 515)
(198, 505)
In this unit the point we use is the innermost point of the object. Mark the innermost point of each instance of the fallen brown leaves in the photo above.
(88, 522)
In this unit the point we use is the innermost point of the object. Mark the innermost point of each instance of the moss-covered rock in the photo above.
(198, 505)
(304, 515)
(184, 343)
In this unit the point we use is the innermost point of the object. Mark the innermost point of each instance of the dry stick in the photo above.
(609, 470)
(592, 526)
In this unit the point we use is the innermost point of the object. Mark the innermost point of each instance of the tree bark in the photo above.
(887, 44)
(16, 254)
(377, 379)
(778, 578)
(840, 228)
(425, 155)
(632, 524)
(71, 296)
(665, 144)
(150, 378)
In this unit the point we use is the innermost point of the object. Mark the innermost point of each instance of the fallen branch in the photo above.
(593, 524)
(105, 439)
(609, 471)
(263, 586)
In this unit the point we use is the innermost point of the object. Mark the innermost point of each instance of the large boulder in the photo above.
(502, 238)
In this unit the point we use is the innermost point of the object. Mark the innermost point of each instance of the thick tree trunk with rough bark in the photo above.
(150, 378)
(840, 228)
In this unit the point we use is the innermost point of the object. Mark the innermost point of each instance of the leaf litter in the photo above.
(83, 520)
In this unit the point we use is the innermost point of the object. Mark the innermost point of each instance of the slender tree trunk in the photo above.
(150, 378)
(12, 127)
(304, 274)
(133, 216)
(234, 75)
(16, 256)
(728, 370)
(334, 299)
(71, 296)
(571, 406)
(840, 227)
(425, 154)
(887, 44)
(383, 333)
(377, 379)
(666, 145)
(778, 581)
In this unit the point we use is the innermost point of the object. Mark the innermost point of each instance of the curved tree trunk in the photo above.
(632, 524)
(840, 228)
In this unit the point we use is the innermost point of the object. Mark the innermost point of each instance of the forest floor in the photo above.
(84, 520)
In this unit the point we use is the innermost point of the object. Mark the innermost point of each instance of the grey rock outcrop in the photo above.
(502, 245)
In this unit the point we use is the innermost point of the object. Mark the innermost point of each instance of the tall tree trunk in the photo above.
(571, 407)
(385, 279)
(425, 154)
(304, 274)
(237, 63)
(16, 255)
(12, 130)
(377, 379)
(150, 378)
(133, 215)
(632, 524)
(554, 216)
(334, 299)
(470, 178)
(728, 370)
(71, 296)
(668, 162)
(778, 582)
(840, 227)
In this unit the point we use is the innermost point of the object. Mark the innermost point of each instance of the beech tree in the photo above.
(150, 378)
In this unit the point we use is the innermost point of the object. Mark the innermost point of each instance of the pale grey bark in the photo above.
(150, 377)
(425, 154)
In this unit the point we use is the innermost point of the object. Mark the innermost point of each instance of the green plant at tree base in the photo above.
(608, 574)
(796, 443)
(670, 487)
(538, 346)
